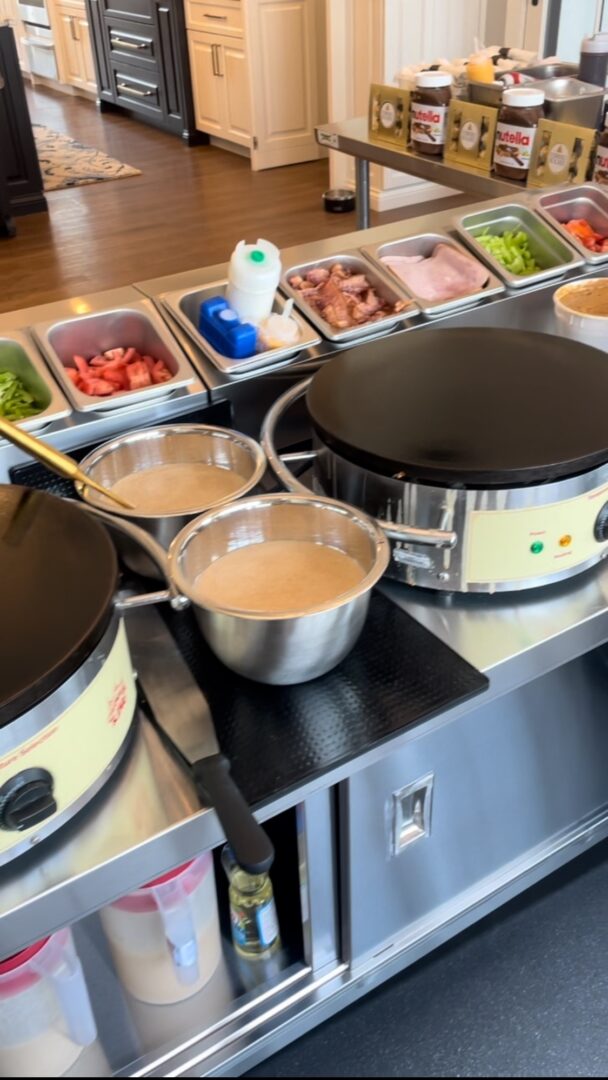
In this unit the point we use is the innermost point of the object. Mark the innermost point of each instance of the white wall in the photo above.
(578, 17)
(496, 17)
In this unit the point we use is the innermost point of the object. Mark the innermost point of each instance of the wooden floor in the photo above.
(188, 208)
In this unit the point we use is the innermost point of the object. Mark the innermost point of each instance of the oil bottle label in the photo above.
(268, 926)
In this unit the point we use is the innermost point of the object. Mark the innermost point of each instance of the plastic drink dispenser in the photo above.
(253, 279)
(165, 937)
(45, 1012)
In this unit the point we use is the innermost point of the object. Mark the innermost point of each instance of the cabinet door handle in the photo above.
(122, 44)
(73, 29)
(219, 70)
(213, 63)
(136, 93)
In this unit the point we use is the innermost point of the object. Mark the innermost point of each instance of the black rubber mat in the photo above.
(278, 738)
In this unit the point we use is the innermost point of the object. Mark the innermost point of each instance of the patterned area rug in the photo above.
(66, 163)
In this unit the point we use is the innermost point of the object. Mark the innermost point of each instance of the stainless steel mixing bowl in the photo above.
(294, 646)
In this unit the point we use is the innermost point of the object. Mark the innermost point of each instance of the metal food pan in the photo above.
(586, 201)
(552, 70)
(137, 325)
(21, 357)
(385, 286)
(184, 306)
(569, 101)
(483, 93)
(553, 254)
(424, 245)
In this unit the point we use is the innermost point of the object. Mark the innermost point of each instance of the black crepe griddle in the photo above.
(468, 407)
(58, 575)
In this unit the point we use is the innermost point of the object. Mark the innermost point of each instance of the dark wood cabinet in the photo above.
(141, 59)
(18, 157)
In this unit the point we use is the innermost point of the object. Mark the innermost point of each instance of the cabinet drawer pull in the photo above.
(122, 44)
(220, 18)
(136, 93)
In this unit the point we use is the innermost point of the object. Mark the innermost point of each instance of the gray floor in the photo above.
(525, 993)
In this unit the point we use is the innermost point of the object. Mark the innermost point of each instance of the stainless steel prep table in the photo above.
(351, 137)
(536, 739)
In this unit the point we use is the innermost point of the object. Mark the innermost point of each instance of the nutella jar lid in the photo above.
(520, 97)
(433, 80)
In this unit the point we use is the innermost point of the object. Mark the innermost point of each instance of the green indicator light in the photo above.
(257, 256)
(537, 547)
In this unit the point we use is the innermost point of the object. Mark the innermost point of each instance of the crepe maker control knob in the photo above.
(601, 524)
(26, 800)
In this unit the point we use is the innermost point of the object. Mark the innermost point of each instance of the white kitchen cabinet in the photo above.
(287, 59)
(220, 86)
(233, 67)
(73, 45)
(9, 13)
(258, 75)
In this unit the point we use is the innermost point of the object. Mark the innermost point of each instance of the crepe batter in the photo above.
(277, 576)
(174, 489)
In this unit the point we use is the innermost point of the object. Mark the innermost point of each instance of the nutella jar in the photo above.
(518, 119)
(430, 101)
(600, 169)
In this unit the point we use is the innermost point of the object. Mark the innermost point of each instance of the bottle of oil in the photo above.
(253, 915)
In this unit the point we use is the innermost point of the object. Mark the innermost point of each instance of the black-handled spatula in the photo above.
(183, 718)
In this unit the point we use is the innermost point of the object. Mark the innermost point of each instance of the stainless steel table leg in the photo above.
(362, 191)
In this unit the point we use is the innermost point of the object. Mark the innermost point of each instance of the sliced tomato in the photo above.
(73, 375)
(160, 372)
(81, 364)
(97, 387)
(138, 376)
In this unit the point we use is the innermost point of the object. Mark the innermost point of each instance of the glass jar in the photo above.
(253, 914)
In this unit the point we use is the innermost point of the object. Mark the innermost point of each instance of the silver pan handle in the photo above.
(154, 550)
(407, 534)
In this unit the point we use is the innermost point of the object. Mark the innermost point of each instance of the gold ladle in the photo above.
(60, 463)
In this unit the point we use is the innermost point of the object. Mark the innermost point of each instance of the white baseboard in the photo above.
(393, 198)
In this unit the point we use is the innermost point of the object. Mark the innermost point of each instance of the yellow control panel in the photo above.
(512, 545)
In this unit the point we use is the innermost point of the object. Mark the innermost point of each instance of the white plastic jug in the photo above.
(45, 1012)
(253, 279)
(165, 937)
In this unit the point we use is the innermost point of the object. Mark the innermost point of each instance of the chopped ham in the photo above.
(343, 298)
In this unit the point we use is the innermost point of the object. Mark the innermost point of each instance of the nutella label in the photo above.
(428, 123)
(513, 146)
(600, 174)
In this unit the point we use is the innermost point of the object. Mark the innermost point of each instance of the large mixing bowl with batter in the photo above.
(234, 465)
(280, 583)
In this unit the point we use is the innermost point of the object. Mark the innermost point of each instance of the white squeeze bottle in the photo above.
(253, 279)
